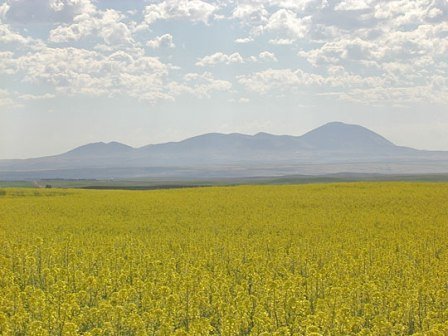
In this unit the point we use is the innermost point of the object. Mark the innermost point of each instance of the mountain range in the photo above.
(332, 148)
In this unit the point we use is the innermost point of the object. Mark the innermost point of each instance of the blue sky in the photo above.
(140, 72)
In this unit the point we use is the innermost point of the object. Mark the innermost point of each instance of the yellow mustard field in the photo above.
(335, 259)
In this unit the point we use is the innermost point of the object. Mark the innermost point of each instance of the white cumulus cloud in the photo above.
(26, 11)
(164, 41)
(106, 25)
(353, 5)
(244, 40)
(286, 22)
(267, 56)
(220, 57)
(193, 10)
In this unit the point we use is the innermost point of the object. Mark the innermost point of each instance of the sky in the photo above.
(139, 72)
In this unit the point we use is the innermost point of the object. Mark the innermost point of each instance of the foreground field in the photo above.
(337, 259)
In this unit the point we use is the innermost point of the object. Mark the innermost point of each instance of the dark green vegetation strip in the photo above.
(154, 187)
(152, 183)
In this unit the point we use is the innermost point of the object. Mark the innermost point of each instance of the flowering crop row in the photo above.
(336, 259)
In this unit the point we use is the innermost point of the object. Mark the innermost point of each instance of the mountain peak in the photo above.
(263, 134)
(341, 136)
(339, 125)
(100, 148)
